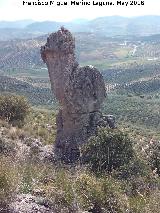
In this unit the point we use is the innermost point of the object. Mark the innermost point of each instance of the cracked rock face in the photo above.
(79, 90)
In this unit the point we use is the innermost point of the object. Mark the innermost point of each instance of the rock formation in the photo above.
(79, 90)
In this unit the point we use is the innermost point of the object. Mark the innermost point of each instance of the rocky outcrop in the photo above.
(26, 203)
(79, 90)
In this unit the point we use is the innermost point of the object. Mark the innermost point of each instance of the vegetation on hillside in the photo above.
(129, 186)
(108, 151)
(13, 108)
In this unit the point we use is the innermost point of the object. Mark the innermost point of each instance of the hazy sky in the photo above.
(14, 10)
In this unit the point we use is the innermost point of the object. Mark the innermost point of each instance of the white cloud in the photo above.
(14, 10)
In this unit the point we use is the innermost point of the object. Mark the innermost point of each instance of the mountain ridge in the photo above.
(107, 26)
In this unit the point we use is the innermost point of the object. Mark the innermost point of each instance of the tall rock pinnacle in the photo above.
(79, 90)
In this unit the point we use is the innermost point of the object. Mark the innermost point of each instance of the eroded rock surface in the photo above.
(30, 204)
(79, 90)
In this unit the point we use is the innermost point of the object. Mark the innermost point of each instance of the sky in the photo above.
(11, 10)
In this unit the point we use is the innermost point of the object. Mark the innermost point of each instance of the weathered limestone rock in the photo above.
(79, 90)
(27, 203)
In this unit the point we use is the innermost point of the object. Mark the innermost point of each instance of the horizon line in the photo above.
(87, 19)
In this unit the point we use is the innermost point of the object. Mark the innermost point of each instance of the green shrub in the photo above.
(137, 177)
(57, 186)
(135, 168)
(153, 203)
(153, 153)
(7, 146)
(145, 204)
(41, 124)
(107, 151)
(13, 108)
(9, 180)
(95, 194)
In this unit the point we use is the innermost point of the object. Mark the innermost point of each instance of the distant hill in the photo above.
(44, 27)
(140, 87)
(16, 33)
(106, 26)
(37, 95)
(91, 48)
(15, 24)
(109, 26)
(117, 25)
(132, 72)
(20, 54)
(25, 53)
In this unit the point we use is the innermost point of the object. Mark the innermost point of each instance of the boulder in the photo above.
(80, 92)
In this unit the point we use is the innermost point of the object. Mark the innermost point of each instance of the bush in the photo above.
(99, 194)
(107, 151)
(13, 108)
(153, 152)
(7, 146)
(41, 124)
(9, 180)
(153, 204)
(137, 167)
